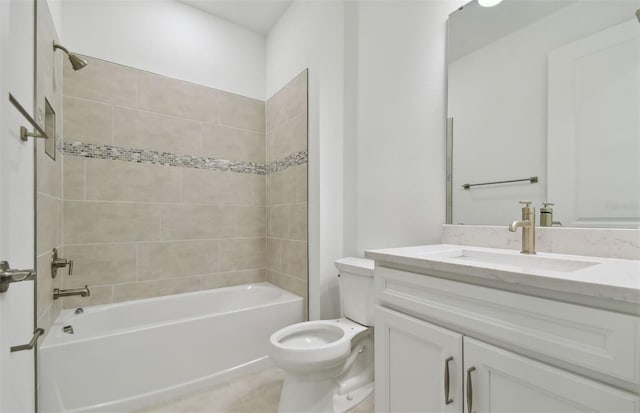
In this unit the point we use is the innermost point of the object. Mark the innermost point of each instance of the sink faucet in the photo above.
(82, 292)
(528, 225)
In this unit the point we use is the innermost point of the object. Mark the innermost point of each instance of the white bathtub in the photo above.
(129, 355)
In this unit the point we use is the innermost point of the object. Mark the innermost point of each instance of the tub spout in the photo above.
(82, 292)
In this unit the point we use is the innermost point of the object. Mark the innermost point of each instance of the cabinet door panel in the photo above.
(505, 382)
(411, 357)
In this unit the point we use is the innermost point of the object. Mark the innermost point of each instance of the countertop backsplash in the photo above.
(597, 242)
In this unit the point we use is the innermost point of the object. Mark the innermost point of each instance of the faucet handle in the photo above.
(547, 204)
(526, 204)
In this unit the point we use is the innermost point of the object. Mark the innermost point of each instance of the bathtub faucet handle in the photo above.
(57, 262)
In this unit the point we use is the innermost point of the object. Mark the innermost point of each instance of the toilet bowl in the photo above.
(328, 364)
(314, 345)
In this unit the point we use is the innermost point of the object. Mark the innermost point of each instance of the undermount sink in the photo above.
(521, 261)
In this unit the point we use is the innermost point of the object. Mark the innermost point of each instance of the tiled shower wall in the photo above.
(164, 185)
(287, 188)
(48, 172)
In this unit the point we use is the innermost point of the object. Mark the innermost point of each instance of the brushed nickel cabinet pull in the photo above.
(447, 400)
(469, 390)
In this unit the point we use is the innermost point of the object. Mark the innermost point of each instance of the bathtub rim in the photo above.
(60, 321)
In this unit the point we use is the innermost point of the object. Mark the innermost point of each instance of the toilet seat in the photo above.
(313, 345)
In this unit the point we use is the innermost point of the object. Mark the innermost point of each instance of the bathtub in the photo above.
(129, 355)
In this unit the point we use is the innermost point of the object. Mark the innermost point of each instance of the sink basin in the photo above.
(522, 262)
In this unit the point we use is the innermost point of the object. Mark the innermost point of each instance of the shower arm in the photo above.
(61, 47)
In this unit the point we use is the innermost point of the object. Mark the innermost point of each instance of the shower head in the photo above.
(76, 62)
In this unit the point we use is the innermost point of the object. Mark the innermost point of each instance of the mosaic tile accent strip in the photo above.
(117, 153)
(295, 159)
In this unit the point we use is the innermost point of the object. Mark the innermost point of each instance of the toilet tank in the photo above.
(356, 289)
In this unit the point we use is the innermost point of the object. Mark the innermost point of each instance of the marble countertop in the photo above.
(607, 279)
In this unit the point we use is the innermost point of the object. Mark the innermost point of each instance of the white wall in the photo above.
(311, 35)
(376, 128)
(401, 91)
(169, 38)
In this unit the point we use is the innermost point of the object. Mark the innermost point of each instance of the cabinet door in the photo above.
(412, 361)
(497, 380)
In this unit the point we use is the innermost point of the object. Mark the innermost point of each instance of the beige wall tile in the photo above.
(242, 254)
(225, 142)
(198, 222)
(109, 180)
(203, 186)
(288, 138)
(49, 172)
(275, 113)
(294, 259)
(241, 112)
(49, 220)
(271, 137)
(156, 288)
(298, 222)
(140, 129)
(281, 187)
(99, 295)
(300, 177)
(73, 177)
(94, 222)
(241, 191)
(46, 284)
(252, 221)
(259, 190)
(102, 264)
(291, 284)
(177, 259)
(48, 316)
(287, 102)
(176, 97)
(87, 121)
(227, 279)
(101, 81)
(295, 101)
(278, 221)
(274, 254)
(49, 67)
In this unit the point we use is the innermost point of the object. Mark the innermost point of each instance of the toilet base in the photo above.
(312, 396)
(335, 390)
(344, 403)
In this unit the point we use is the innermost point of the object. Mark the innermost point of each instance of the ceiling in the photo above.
(473, 26)
(256, 15)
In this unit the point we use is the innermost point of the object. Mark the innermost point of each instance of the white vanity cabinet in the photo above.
(418, 365)
(510, 352)
(497, 380)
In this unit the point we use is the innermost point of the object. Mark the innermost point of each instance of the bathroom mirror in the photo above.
(545, 94)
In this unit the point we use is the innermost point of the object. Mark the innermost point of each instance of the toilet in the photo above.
(328, 364)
